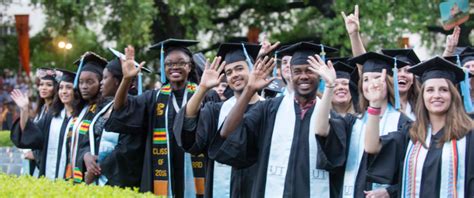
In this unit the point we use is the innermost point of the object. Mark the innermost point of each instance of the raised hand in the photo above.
(377, 90)
(128, 65)
(318, 66)
(267, 47)
(452, 41)
(259, 77)
(352, 21)
(211, 75)
(20, 99)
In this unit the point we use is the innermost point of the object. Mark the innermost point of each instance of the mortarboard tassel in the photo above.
(465, 90)
(247, 58)
(140, 83)
(162, 65)
(322, 83)
(76, 79)
(395, 84)
(276, 62)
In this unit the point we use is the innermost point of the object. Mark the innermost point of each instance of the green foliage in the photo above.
(130, 23)
(5, 139)
(46, 53)
(27, 186)
(141, 23)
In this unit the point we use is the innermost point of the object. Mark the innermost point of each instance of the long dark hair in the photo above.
(193, 75)
(41, 101)
(77, 104)
(458, 123)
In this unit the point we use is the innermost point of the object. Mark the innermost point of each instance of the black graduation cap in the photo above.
(343, 69)
(407, 55)
(234, 52)
(375, 62)
(89, 62)
(169, 44)
(467, 50)
(277, 85)
(300, 52)
(438, 67)
(463, 58)
(67, 76)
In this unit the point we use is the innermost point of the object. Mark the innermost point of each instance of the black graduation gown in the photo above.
(395, 146)
(333, 153)
(137, 117)
(250, 144)
(123, 166)
(198, 141)
(36, 136)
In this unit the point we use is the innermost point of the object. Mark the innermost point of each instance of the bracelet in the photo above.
(330, 86)
(374, 111)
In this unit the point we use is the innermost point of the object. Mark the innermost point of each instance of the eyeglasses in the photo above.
(180, 64)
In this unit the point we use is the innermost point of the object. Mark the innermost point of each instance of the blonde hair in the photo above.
(457, 123)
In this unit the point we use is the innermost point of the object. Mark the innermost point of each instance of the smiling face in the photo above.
(305, 81)
(405, 80)
(341, 92)
(436, 96)
(66, 92)
(237, 74)
(370, 76)
(177, 66)
(46, 89)
(89, 85)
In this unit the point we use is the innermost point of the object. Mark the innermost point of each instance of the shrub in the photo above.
(27, 186)
(5, 139)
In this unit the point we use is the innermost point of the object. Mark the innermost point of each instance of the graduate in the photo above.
(46, 93)
(115, 159)
(48, 134)
(195, 128)
(88, 77)
(465, 59)
(275, 134)
(286, 73)
(342, 152)
(435, 159)
(346, 95)
(167, 169)
(408, 85)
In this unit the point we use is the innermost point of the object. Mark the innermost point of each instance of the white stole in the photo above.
(108, 141)
(388, 123)
(280, 149)
(53, 145)
(75, 134)
(222, 172)
(446, 168)
(409, 112)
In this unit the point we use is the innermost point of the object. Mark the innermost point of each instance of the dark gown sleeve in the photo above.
(133, 117)
(33, 135)
(469, 176)
(386, 167)
(240, 149)
(332, 149)
(123, 166)
(197, 141)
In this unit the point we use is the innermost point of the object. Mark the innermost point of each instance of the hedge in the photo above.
(27, 186)
(5, 139)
